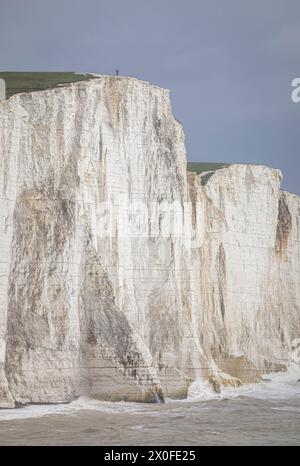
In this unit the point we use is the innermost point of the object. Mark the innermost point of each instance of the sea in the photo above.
(267, 413)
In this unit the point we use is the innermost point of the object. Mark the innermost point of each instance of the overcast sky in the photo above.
(229, 64)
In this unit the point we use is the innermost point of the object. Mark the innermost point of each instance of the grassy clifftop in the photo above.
(209, 168)
(18, 82)
(199, 167)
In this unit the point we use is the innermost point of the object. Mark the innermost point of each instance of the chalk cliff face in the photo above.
(98, 296)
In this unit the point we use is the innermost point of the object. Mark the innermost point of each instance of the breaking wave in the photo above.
(273, 386)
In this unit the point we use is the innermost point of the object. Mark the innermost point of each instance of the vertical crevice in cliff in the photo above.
(284, 225)
(222, 277)
(193, 194)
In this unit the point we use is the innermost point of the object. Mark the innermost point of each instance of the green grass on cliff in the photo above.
(18, 82)
(209, 167)
(199, 167)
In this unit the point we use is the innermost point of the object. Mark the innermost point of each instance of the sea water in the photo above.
(267, 413)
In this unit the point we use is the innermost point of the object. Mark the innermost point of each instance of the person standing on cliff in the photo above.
(117, 72)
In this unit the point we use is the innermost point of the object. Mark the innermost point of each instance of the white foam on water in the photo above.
(292, 409)
(30, 411)
(81, 404)
(109, 407)
(281, 385)
(201, 390)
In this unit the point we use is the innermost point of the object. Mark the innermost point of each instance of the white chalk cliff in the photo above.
(134, 316)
